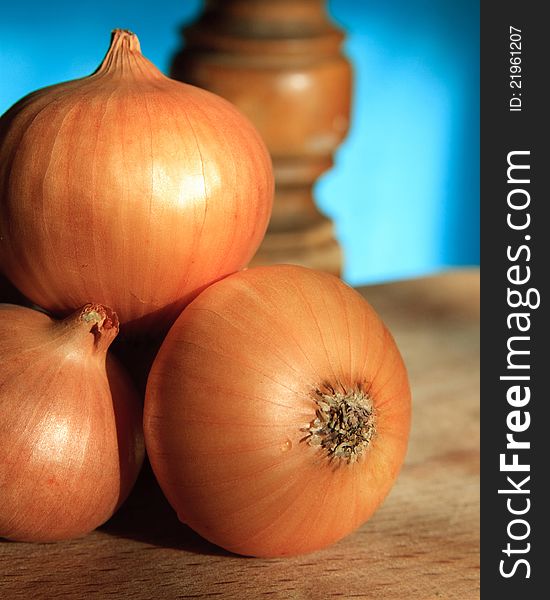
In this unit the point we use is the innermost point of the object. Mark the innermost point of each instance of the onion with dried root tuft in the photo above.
(277, 412)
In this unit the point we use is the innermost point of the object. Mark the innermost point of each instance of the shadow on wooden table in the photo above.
(146, 516)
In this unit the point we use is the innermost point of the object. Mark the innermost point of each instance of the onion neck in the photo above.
(93, 327)
(344, 424)
(124, 59)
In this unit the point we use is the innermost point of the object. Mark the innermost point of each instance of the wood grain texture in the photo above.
(423, 543)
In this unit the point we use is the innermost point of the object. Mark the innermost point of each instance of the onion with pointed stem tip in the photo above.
(277, 412)
(128, 188)
(70, 424)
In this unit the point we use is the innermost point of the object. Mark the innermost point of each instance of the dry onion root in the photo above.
(70, 424)
(277, 412)
(129, 189)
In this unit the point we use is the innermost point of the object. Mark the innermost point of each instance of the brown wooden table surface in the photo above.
(423, 543)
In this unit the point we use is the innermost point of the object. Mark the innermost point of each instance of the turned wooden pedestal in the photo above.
(280, 62)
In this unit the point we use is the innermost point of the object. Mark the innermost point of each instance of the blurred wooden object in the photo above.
(280, 62)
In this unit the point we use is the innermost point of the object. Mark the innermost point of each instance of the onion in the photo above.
(128, 188)
(70, 424)
(277, 412)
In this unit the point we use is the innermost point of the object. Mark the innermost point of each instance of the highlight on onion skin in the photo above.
(128, 188)
(70, 424)
(277, 412)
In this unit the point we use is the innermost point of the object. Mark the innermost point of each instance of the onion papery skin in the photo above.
(232, 392)
(70, 424)
(129, 188)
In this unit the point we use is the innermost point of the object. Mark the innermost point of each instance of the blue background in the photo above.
(404, 193)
